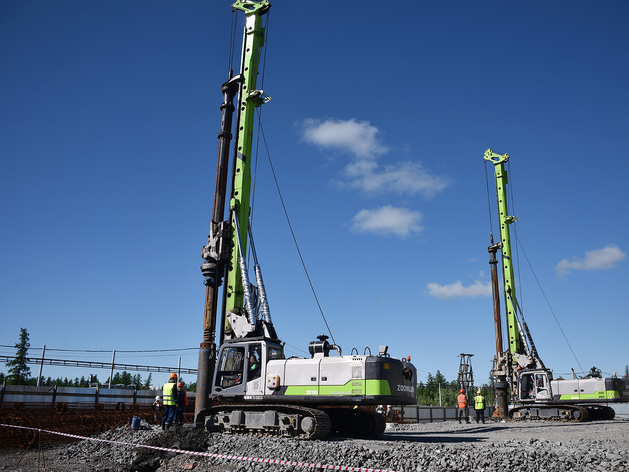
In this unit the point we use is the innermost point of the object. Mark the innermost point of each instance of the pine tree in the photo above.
(125, 378)
(17, 367)
(147, 384)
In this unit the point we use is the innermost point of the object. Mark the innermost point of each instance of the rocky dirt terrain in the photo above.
(447, 446)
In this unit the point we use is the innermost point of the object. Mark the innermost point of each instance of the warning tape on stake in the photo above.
(311, 465)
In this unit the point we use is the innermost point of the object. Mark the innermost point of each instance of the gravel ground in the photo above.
(426, 447)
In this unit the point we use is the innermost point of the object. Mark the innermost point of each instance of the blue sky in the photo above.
(377, 126)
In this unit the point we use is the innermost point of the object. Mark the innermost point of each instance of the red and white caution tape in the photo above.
(311, 465)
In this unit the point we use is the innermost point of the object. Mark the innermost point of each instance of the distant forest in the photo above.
(119, 379)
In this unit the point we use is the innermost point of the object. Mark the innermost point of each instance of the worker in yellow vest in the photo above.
(479, 406)
(169, 398)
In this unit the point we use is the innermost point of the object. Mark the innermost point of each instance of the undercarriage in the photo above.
(562, 412)
(292, 421)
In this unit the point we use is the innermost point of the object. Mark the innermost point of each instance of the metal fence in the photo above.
(76, 397)
(430, 414)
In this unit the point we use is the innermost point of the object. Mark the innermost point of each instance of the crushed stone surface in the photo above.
(425, 447)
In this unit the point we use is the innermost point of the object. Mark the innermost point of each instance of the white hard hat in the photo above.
(157, 397)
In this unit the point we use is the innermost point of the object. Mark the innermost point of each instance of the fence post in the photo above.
(111, 373)
(41, 366)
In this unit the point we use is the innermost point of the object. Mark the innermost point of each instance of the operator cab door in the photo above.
(534, 386)
(230, 371)
(254, 366)
(258, 356)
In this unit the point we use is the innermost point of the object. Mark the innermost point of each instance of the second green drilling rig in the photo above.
(519, 369)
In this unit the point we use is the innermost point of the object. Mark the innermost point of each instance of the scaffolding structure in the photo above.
(465, 378)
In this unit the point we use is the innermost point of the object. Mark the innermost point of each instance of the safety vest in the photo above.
(479, 402)
(182, 398)
(168, 393)
(461, 400)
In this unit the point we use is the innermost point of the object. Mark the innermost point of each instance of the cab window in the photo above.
(275, 353)
(255, 360)
(231, 367)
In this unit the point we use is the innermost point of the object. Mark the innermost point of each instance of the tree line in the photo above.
(436, 386)
(123, 378)
(19, 373)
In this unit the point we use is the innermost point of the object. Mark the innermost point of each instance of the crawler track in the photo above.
(567, 413)
(269, 420)
(293, 421)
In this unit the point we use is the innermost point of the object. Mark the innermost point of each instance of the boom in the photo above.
(224, 248)
(249, 99)
(521, 345)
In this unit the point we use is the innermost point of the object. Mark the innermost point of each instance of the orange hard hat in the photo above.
(179, 384)
(462, 391)
(173, 376)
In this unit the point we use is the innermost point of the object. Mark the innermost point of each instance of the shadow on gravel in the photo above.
(186, 438)
(469, 435)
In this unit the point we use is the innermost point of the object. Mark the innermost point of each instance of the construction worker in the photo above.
(157, 406)
(462, 402)
(479, 406)
(169, 398)
(182, 402)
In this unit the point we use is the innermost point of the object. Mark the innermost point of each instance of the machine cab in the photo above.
(241, 367)
(534, 385)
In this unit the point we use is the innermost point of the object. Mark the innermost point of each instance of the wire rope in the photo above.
(260, 134)
(290, 226)
(488, 200)
(591, 285)
(518, 246)
(232, 41)
(519, 298)
(547, 302)
(255, 160)
(109, 351)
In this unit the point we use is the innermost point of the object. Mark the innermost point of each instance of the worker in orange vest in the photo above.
(182, 402)
(462, 403)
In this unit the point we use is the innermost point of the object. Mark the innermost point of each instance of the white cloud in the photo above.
(457, 290)
(598, 259)
(401, 178)
(362, 140)
(388, 220)
(359, 138)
